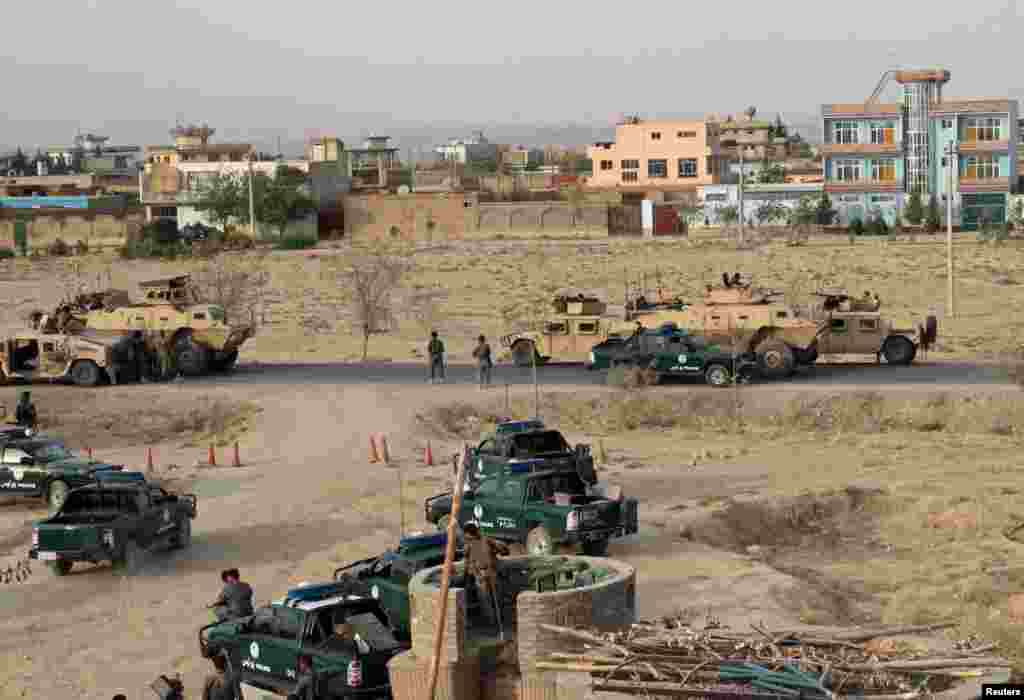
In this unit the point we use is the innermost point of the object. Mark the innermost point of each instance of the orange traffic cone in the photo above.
(428, 455)
(374, 457)
(384, 449)
(88, 451)
(149, 458)
(212, 461)
(236, 462)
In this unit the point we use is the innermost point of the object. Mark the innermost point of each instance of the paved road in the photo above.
(936, 375)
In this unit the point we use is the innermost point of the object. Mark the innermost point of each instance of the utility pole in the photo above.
(252, 203)
(952, 153)
(742, 173)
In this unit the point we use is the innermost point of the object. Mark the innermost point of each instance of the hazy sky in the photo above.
(129, 68)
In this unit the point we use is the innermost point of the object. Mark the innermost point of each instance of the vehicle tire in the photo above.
(225, 363)
(523, 353)
(717, 376)
(86, 373)
(61, 567)
(130, 559)
(807, 356)
(183, 538)
(191, 358)
(595, 549)
(56, 494)
(539, 542)
(775, 359)
(899, 350)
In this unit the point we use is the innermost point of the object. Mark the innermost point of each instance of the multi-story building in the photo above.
(876, 155)
(476, 149)
(518, 159)
(657, 156)
(92, 154)
(755, 139)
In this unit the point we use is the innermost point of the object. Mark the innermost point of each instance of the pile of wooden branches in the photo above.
(673, 658)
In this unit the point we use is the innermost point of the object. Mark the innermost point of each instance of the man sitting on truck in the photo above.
(235, 599)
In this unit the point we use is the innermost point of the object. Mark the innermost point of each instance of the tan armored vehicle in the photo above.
(203, 339)
(86, 360)
(857, 327)
(579, 322)
(748, 319)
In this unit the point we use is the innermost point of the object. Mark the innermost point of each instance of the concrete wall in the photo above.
(459, 216)
(97, 230)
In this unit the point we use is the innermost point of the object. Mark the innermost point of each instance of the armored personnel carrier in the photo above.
(743, 318)
(203, 339)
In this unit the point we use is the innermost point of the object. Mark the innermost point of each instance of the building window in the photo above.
(656, 136)
(686, 134)
(630, 176)
(883, 133)
(687, 167)
(607, 165)
(983, 129)
(848, 170)
(983, 167)
(846, 132)
(883, 170)
(657, 168)
(630, 165)
(947, 124)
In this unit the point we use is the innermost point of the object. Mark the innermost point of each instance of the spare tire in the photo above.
(775, 359)
(524, 353)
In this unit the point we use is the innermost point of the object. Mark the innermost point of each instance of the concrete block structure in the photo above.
(476, 663)
(875, 155)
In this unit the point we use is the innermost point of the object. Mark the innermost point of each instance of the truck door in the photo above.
(272, 652)
(508, 511)
(836, 339)
(482, 506)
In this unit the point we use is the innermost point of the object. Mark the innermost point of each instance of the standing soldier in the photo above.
(168, 367)
(25, 413)
(482, 353)
(482, 564)
(435, 349)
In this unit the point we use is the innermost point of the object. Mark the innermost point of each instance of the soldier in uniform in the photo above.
(25, 413)
(481, 556)
(435, 349)
(235, 599)
(220, 685)
(165, 348)
(482, 354)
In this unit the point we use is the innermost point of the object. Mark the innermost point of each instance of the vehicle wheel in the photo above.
(130, 560)
(775, 359)
(523, 353)
(225, 363)
(61, 567)
(718, 376)
(596, 549)
(56, 494)
(539, 542)
(183, 538)
(86, 373)
(899, 350)
(191, 358)
(807, 356)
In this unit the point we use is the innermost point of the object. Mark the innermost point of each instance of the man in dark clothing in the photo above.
(235, 599)
(435, 349)
(305, 688)
(220, 685)
(482, 354)
(25, 413)
(481, 556)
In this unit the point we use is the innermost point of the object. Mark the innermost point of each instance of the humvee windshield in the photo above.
(217, 314)
(527, 445)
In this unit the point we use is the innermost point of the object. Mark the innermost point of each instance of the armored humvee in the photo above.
(579, 322)
(857, 327)
(203, 337)
(85, 359)
(743, 318)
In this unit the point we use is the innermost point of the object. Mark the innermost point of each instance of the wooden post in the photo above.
(449, 555)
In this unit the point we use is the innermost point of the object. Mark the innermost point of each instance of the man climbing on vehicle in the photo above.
(482, 564)
(25, 413)
(435, 350)
(235, 598)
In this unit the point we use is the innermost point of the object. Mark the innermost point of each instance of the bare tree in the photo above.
(238, 284)
(373, 278)
(425, 307)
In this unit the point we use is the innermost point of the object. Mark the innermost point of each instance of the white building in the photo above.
(473, 150)
(788, 195)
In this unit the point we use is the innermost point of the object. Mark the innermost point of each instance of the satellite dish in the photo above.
(403, 189)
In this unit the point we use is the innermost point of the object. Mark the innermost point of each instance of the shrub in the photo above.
(148, 248)
(162, 231)
(59, 248)
(877, 226)
(856, 227)
(6, 253)
(296, 243)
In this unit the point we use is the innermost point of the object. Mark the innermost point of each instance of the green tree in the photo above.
(728, 215)
(223, 197)
(825, 214)
(914, 212)
(934, 220)
(780, 128)
(771, 173)
(283, 199)
(19, 162)
(769, 212)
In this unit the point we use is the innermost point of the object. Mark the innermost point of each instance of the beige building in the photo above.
(657, 156)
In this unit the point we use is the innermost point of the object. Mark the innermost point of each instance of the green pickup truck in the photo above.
(386, 577)
(538, 448)
(542, 509)
(347, 637)
(42, 467)
(672, 352)
(116, 520)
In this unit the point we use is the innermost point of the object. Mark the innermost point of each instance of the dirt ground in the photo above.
(306, 501)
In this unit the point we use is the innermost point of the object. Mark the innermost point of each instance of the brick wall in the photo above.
(410, 678)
